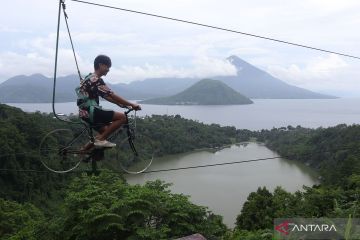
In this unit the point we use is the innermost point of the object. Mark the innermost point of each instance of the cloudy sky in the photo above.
(143, 47)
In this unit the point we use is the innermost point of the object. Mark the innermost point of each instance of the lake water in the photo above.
(224, 189)
(263, 114)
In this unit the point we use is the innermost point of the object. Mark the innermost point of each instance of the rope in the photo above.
(71, 41)
(56, 59)
(217, 28)
(62, 5)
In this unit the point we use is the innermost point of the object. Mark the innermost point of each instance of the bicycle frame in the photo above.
(129, 131)
(89, 130)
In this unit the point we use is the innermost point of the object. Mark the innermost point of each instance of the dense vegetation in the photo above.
(41, 205)
(30, 198)
(334, 152)
(105, 207)
(21, 134)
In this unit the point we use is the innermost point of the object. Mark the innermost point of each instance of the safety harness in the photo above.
(83, 100)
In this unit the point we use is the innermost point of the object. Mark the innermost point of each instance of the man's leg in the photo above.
(118, 120)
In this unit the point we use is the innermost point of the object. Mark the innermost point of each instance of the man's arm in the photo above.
(118, 100)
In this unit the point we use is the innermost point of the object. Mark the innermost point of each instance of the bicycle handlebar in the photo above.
(129, 109)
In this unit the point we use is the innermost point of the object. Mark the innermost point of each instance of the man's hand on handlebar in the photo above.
(136, 106)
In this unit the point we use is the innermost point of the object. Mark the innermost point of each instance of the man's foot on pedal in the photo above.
(103, 144)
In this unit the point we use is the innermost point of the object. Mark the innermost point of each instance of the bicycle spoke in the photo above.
(135, 155)
(60, 150)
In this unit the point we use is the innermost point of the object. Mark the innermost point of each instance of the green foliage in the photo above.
(238, 234)
(262, 206)
(21, 134)
(174, 134)
(19, 221)
(257, 211)
(333, 151)
(105, 207)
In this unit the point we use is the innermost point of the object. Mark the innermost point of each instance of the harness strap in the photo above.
(86, 102)
(91, 113)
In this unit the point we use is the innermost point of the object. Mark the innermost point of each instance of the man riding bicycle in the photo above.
(103, 121)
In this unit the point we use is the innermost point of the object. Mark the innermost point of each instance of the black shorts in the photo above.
(102, 117)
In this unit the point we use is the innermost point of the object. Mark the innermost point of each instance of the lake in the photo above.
(224, 189)
(263, 114)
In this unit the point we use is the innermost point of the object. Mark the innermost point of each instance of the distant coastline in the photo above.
(264, 114)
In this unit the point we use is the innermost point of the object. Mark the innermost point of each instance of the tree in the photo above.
(257, 212)
(105, 207)
(19, 221)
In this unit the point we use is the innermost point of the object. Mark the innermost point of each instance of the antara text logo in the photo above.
(286, 227)
(317, 228)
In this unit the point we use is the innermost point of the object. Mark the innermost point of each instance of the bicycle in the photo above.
(61, 150)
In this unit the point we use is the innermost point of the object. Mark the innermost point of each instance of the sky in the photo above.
(146, 47)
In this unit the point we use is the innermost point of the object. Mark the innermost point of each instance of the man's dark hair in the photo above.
(102, 59)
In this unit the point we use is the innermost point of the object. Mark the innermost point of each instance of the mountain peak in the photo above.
(37, 75)
(238, 63)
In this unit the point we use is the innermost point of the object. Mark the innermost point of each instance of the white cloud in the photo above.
(5, 29)
(202, 67)
(332, 5)
(12, 64)
(330, 74)
(320, 69)
(37, 56)
(208, 67)
(101, 37)
(143, 46)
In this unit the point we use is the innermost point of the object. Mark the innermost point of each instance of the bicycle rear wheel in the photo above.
(60, 150)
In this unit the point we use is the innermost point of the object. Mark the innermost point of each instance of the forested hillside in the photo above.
(73, 204)
(204, 92)
(36, 204)
(21, 134)
(334, 152)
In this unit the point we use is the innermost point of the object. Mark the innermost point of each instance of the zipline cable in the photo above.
(218, 28)
(152, 171)
(182, 168)
(211, 165)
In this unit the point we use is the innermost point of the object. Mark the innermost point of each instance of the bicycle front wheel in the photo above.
(60, 150)
(131, 155)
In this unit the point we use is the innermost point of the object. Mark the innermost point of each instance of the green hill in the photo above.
(204, 92)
